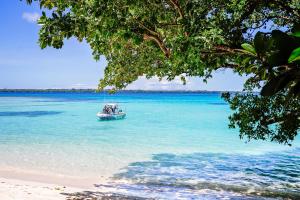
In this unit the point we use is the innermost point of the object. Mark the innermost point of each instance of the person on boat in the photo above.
(106, 110)
(114, 109)
(109, 110)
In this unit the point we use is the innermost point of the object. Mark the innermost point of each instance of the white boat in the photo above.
(111, 111)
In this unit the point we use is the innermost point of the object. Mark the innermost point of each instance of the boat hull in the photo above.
(105, 117)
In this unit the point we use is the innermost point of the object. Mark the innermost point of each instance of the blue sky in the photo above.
(24, 65)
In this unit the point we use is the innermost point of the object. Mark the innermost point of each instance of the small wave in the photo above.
(201, 190)
(213, 176)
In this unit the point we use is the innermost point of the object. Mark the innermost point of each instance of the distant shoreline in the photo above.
(106, 91)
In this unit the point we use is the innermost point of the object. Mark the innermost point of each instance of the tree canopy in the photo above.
(171, 38)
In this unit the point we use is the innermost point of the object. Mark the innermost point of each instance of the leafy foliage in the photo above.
(170, 38)
(295, 55)
(278, 54)
(276, 119)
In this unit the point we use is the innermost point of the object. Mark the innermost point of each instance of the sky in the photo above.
(23, 65)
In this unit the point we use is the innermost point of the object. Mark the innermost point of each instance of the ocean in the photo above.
(172, 145)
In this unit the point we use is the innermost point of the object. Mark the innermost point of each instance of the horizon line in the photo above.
(107, 90)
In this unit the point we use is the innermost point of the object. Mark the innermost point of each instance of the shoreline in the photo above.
(50, 178)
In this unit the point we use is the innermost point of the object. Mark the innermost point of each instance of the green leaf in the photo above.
(276, 59)
(260, 42)
(285, 43)
(276, 84)
(246, 61)
(249, 48)
(296, 34)
(132, 11)
(295, 55)
(296, 30)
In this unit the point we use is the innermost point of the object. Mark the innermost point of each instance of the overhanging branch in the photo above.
(176, 5)
(160, 43)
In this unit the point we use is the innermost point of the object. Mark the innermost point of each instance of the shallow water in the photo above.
(170, 146)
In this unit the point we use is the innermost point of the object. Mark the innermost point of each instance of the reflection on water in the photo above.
(29, 113)
(211, 176)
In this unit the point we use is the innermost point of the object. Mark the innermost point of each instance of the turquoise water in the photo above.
(170, 146)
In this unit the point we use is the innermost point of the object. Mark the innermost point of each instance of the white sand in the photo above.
(12, 189)
(17, 184)
(46, 177)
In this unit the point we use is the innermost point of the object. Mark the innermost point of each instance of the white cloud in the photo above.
(221, 81)
(31, 17)
(82, 86)
(155, 84)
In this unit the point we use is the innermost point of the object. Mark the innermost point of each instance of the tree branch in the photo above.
(222, 49)
(168, 24)
(155, 36)
(160, 43)
(176, 5)
(273, 120)
(149, 30)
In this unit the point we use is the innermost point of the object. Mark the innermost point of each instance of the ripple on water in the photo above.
(211, 176)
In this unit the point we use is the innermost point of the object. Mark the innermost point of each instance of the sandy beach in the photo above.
(13, 189)
(17, 184)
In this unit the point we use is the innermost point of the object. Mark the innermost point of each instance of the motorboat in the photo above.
(111, 111)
